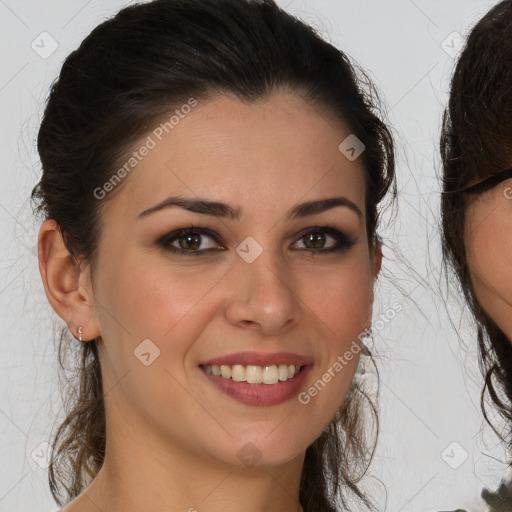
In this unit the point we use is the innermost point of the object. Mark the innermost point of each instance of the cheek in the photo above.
(488, 240)
(342, 312)
(139, 301)
(341, 308)
(340, 298)
(169, 306)
(149, 298)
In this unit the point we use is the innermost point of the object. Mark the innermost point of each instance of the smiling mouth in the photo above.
(253, 374)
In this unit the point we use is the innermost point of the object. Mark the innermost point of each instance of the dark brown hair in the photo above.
(476, 142)
(130, 71)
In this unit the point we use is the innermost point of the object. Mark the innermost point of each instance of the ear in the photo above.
(375, 263)
(67, 286)
(376, 258)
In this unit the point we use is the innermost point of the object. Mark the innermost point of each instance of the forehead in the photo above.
(275, 152)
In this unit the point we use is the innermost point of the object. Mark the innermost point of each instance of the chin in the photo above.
(253, 451)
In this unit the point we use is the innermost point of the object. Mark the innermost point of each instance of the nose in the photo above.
(262, 295)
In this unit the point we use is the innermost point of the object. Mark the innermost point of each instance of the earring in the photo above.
(79, 330)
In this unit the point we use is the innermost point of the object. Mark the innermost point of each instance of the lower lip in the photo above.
(260, 394)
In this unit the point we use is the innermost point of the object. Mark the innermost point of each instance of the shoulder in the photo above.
(499, 500)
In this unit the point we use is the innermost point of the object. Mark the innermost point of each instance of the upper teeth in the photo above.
(254, 374)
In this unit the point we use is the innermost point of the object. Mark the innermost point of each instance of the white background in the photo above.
(430, 382)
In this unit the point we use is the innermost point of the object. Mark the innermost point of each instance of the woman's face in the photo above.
(488, 227)
(247, 289)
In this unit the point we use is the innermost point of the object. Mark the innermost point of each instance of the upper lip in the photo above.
(259, 359)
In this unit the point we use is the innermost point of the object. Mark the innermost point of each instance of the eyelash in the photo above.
(343, 241)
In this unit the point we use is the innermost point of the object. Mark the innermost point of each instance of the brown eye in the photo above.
(315, 240)
(190, 241)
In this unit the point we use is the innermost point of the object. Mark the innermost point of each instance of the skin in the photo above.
(172, 437)
(488, 218)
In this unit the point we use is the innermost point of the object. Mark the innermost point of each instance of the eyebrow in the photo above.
(223, 210)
